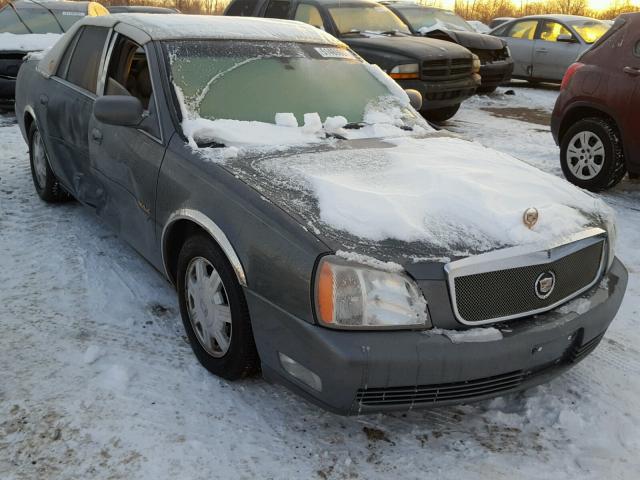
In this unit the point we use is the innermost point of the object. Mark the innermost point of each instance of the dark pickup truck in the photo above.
(444, 73)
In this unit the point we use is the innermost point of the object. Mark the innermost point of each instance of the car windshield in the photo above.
(254, 81)
(423, 19)
(366, 18)
(590, 30)
(33, 19)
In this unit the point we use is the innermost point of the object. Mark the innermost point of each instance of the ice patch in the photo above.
(286, 120)
(91, 354)
(579, 306)
(370, 261)
(473, 335)
(312, 123)
(116, 378)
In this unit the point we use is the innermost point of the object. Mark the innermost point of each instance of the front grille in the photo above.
(446, 68)
(488, 56)
(511, 293)
(457, 391)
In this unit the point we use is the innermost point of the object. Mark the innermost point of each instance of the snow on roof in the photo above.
(177, 26)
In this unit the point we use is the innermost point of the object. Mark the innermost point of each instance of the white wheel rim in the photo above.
(39, 160)
(208, 307)
(585, 155)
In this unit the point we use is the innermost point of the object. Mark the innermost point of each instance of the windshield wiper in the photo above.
(351, 32)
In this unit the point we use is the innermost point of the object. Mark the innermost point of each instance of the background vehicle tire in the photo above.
(486, 90)
(44, 180)
(591, 155)
(214, 310)
(441, 114)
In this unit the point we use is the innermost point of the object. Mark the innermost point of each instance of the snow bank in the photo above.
(28, 42)
(440, 190)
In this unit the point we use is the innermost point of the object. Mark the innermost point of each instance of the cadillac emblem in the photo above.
(530, 217)
(545, 283)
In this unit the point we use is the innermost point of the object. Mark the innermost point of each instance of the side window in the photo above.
(524, 30)
(550, 31)
(278, 9)
(85, 59)
(309, 14)
(242, 8)
(128, 74)
(66, 58)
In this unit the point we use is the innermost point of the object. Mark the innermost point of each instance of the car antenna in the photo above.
(15, 10)
(52, 14)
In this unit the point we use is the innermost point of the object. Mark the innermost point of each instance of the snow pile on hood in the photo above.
(444, 191)
(30, 42)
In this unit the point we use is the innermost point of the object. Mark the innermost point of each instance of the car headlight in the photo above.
(354, 296)
(476, 64)
(406, 71)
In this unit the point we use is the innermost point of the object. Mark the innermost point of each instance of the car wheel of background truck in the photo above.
(441, 114)
(44, 180)
(214, 310)
(591, 155)
(486, 90)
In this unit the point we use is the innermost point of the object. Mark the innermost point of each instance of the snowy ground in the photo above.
(97, 380)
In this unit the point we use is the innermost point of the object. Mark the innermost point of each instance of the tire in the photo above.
(44, 180)
(214, 316)
(441, 114)
(486, 90)
(598, 166)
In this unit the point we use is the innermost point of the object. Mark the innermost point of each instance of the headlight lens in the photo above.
(352, 296)
(406, 71)
(476, 63)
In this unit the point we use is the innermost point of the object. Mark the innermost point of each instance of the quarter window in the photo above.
(309, 14)
(278, 9)
(552, 30)
(85, 59)
(524, 30)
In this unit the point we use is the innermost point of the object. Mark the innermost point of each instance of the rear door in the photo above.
(551, 57)
(67, 108)
(127, 160)
(520, 36)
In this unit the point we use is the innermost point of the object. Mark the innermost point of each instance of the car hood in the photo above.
(470, 40)
(415, 47)
(412, 199)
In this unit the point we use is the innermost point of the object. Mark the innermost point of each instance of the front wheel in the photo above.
(44, 180)
(591, 155)
(214, 310)
(441, 114)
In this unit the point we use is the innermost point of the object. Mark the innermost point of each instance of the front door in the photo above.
(520, 38)
(67, 108)
(552, 57)
(127, 160)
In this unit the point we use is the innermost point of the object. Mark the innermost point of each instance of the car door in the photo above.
(631, 70)
(127, 160)
(66, 108)
(520, 37)
(555, 48)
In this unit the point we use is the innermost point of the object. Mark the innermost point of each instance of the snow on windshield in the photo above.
(27, 42)
(443, 191)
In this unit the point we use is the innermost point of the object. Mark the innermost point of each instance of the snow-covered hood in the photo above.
(470, 40)
(28, 42)
(411, 198)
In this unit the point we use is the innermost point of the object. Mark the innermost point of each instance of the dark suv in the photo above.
(496, 64)
(596, 120)
(444, 73)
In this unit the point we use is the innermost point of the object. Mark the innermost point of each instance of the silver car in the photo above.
(543, 46)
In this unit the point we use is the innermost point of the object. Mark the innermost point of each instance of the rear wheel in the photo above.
(441, 114)
(591, 155)
(214, 310)
(47, 186)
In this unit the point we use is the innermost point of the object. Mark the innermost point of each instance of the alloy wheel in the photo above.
(585, 155)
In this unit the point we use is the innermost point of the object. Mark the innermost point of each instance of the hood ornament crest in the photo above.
(530, 217)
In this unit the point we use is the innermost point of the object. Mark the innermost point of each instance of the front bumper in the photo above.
(364, 372)
(445, 93)
(496, 73)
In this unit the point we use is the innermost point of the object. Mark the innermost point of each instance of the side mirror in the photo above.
(415, 97)
(120, 110)
(566, 38)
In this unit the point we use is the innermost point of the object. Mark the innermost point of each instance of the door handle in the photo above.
(632, 71)
(96, 135)
(44, 99)
(542, 50)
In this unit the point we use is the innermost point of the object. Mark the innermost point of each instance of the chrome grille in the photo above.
(485, 295)
(446, 68)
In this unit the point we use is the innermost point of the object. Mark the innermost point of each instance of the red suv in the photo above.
(596, 120)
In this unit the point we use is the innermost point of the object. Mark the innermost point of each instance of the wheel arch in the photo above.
(186, 222)
(580, 112)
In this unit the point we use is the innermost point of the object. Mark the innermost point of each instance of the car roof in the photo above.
(557, 16)
(346, 3)
(140, 9)
(52, 5)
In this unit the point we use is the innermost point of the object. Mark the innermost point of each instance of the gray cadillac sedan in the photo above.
(314, 225)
